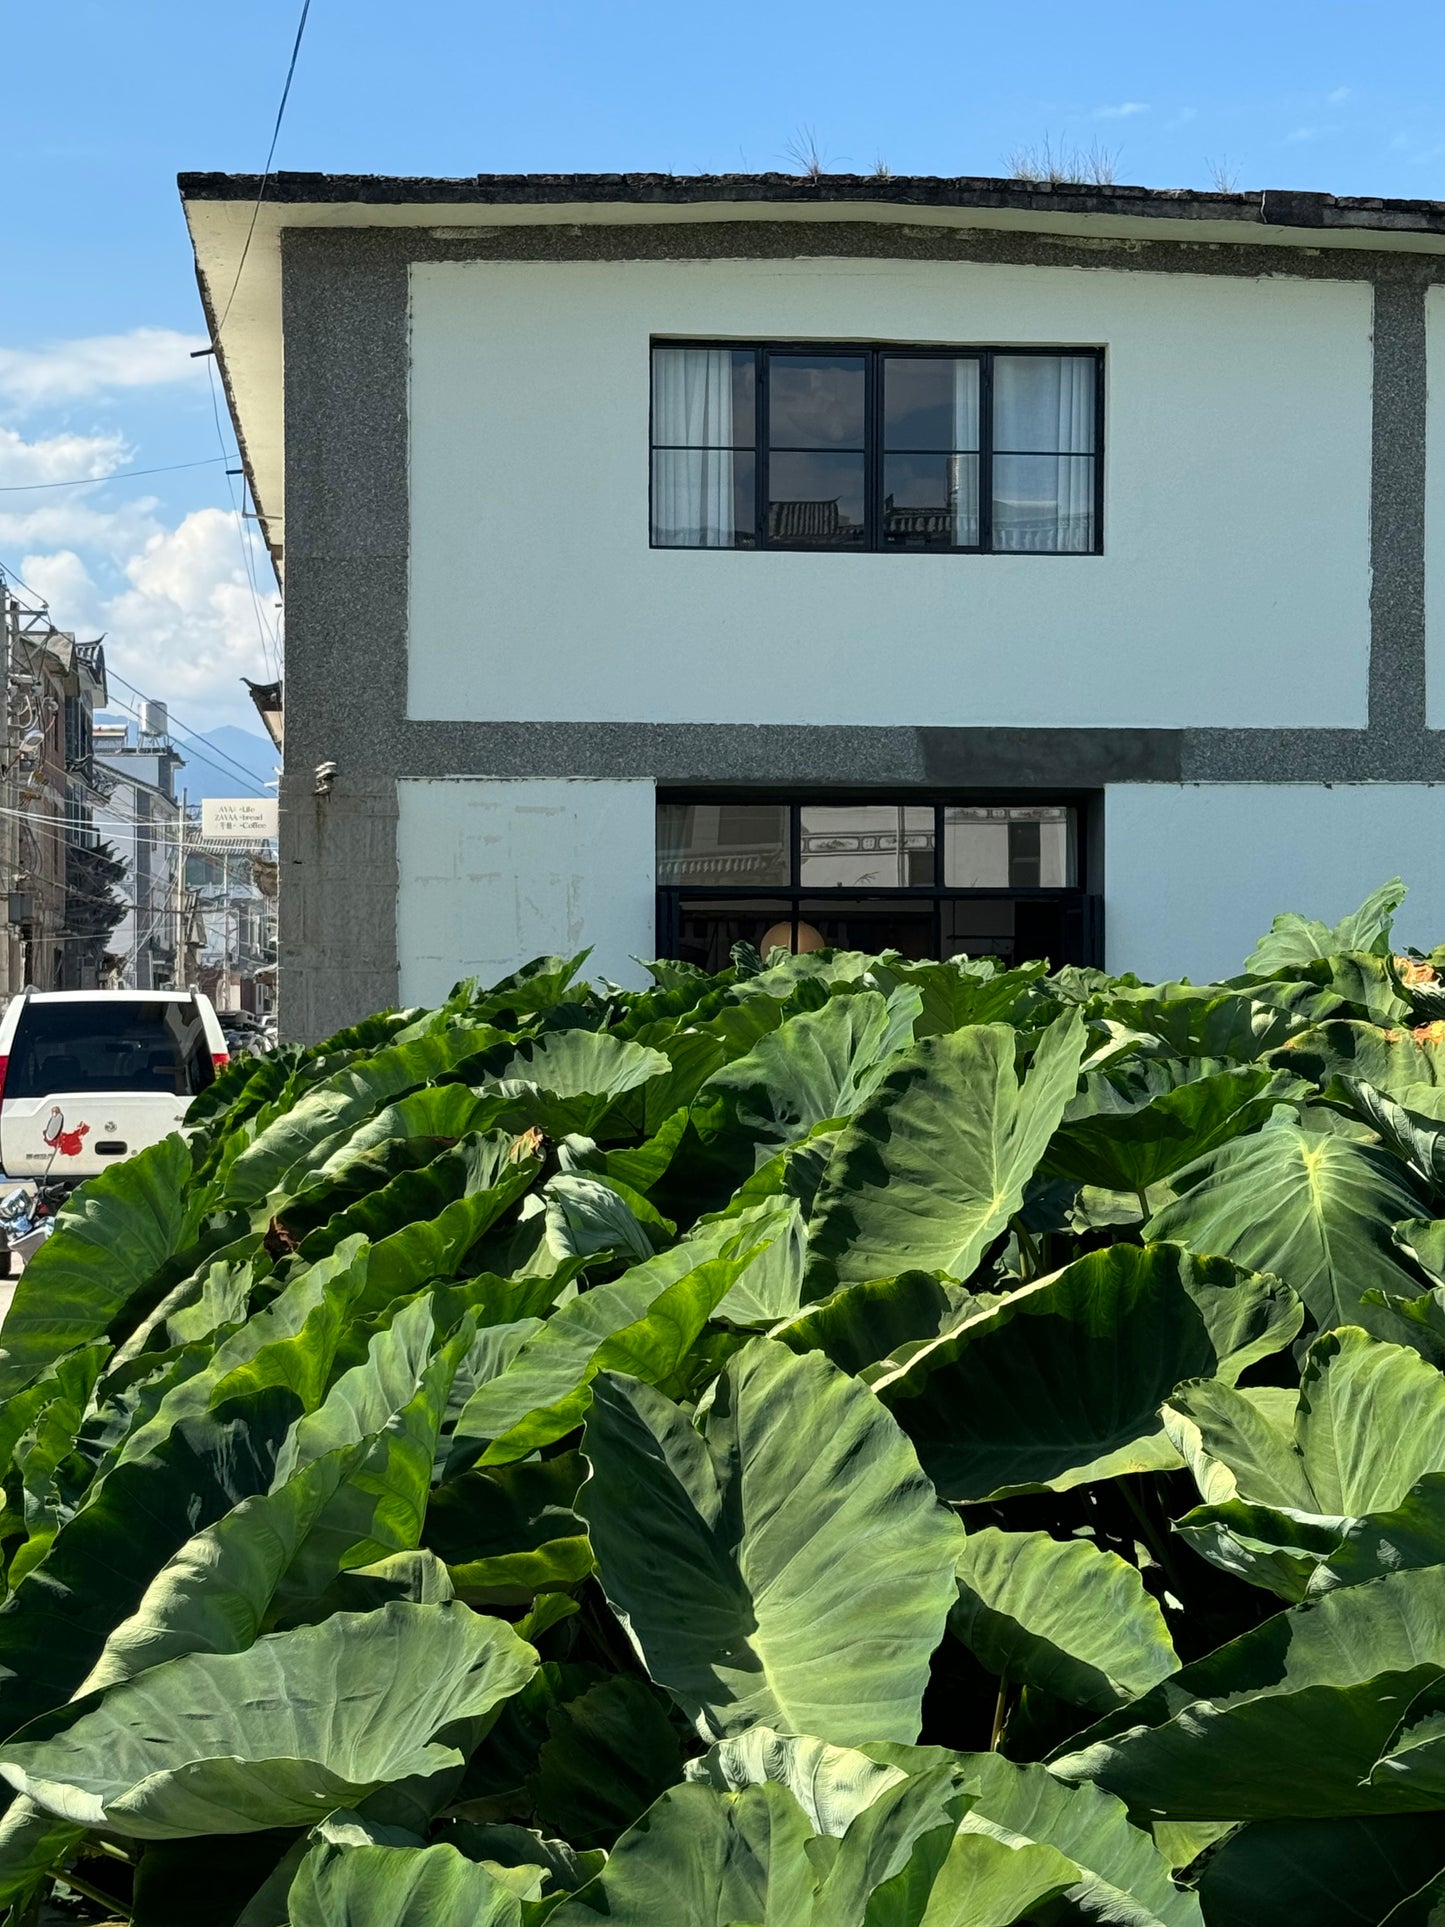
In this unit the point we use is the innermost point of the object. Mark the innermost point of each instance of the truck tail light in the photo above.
(219, 1061)
(4, 1066)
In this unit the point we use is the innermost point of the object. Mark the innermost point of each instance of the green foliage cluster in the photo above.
(850, 1442)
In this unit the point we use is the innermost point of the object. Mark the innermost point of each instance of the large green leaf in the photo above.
(1316, 1211)
(1132, 1150)
(329, 1113)
(1064, 1616)
(935, 1163)
(275, 1736)
(212, 1442)
(1118, 1874)
(1331, 1873)
(642, 1323)
(52, 1473)
(1334, 1054)
(832, 1784)
(569, 1080)
(1287, 1721)
(375, 1886)
(1370, 1421)
(1292, 939)
(861, 1326)
(1061, 1381)
(609, 1753)
(797, 1569)
(701, 1858)
(109, 1242)
(960, 990)
(492, 1163)
(508, 1532)
(817, 1065)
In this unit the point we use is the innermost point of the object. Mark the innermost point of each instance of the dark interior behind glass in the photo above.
(94, 1047)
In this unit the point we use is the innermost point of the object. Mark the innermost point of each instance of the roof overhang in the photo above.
(236, 222)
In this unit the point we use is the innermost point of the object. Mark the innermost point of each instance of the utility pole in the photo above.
(10, 978)
(225, 930)
(182, 919)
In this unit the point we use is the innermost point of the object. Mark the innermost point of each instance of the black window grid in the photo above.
(874, 451)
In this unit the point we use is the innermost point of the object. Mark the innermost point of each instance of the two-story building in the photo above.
(963, 565)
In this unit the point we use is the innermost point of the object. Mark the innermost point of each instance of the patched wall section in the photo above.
(494, 873)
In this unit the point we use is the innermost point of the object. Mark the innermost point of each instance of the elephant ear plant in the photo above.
(846, 1442)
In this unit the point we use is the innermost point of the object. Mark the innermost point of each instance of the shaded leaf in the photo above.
(935, 1163)
(792, 1468)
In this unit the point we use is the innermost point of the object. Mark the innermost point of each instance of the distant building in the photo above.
(56, 875)
(141, 819)
(232, 894)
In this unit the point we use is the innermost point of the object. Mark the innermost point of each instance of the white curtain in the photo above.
(1043, 420)
(963, 469)
(692, 463)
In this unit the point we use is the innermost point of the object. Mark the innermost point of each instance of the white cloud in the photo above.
(70, 370)
(1126, 110)
(58, 458)
(185, 627)
(1298, 135)
(72, 521)
(63, 581)
(1340, 94)
(1181, 119)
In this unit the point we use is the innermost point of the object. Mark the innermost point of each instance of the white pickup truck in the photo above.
(90, 1076)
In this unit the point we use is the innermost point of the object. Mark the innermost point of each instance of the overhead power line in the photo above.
(231, 766)
(120, 475)
(266, 171)
(233, 769)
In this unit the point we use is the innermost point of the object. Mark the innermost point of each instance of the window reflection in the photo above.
(1009, 846)
(887, 845)
(816, 401)
(733, 844)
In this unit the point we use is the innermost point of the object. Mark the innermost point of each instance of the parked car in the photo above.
(243, 1033)
(89, 1076)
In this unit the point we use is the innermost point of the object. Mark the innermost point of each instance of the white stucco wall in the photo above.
(1233, 590)
(1194, 875)
(495, 873)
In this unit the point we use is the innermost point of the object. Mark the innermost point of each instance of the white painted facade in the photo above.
(1195, 873)
(1233, 590)
(495, 873)
(467, 399)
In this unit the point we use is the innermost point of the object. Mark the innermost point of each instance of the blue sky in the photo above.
(98, 307)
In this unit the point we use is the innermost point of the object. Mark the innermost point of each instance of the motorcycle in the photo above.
(27, 1218)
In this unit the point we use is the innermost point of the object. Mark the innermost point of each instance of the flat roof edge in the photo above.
(1268, 207)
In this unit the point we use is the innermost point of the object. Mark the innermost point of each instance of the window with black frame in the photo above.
(926, 877)
(967, 450)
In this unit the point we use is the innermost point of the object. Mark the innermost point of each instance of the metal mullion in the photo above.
(873, 449)
(985, 451)
(849, 892)
(762, 478)
(1098, 451)
(795, 845)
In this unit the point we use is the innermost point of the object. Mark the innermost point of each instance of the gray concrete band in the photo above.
(346, 328)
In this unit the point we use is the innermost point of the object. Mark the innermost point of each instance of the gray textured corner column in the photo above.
(345, 320)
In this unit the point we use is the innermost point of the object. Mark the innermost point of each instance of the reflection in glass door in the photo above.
(1001, 878)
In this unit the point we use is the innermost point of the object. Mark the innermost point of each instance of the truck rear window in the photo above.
(122, 1046)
